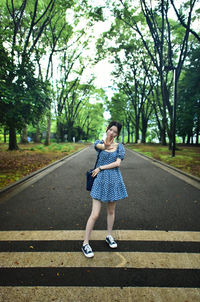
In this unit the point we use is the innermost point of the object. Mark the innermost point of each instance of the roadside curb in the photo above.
(168, 166)
(29, 176)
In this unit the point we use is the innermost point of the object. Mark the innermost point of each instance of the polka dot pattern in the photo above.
(109, 184)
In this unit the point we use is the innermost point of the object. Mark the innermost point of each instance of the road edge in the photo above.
(33, 174)
(186, 175)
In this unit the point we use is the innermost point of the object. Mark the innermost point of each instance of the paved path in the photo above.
(157, 227)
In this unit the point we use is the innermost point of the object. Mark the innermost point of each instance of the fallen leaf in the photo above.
(31, 247)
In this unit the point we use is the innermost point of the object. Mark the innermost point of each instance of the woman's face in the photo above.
(112, 132)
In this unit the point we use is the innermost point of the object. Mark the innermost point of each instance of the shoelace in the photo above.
(88, 249)
(111, 239)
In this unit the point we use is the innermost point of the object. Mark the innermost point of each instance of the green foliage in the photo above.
(24, 100)
(32, 32)
(188, 115)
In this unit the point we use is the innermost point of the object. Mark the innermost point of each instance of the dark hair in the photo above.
(116, 124)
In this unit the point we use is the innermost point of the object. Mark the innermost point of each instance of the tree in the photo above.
(121, 110)
(91, 119)
(24, 95)
(188, 115)
(132, 70)
(70, 95)
(55, 40)
(150, 21)
(160, 29)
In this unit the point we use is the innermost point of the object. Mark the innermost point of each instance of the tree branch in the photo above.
(180, 18)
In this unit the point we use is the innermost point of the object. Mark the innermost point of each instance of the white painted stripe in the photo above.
(141, 235)
(98, 294)
(101, 259)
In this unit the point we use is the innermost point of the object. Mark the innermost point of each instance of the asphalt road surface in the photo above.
(157, 227)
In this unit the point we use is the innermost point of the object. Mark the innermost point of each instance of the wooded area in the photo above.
(47, 51)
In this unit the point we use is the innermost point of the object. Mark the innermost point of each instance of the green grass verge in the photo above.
(14, 165)
(187, 158)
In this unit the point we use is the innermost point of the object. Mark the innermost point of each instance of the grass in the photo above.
(187, 158)
(14, 165)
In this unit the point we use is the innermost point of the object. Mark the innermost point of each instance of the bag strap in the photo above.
(97, 159)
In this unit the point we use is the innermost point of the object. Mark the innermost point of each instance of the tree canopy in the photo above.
(48, 49)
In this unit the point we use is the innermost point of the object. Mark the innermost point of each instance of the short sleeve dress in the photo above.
(108, 185)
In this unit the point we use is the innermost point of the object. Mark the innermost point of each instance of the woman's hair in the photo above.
(116, 124)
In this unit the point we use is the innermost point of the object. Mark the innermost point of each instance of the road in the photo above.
(157, 228)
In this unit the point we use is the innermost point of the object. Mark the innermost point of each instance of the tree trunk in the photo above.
(37, 135)
(144, 130)
(70, 130)
(24, 136)
(188, 139)
(123, 133)
(163, 136)
(48, 134)
(13, 139)
(197, 130)
(197, 138)
(4, 134)
(136, 130)
(58, 132)
(128, 130)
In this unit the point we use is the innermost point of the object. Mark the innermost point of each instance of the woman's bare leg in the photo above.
(96, 208)
(110, 216)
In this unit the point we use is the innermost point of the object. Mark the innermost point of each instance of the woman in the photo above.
(108, 186)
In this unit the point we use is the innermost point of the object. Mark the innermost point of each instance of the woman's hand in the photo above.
(108, 143)
(95, 172)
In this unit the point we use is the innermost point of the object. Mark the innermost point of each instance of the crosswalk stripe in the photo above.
(99, 276)
(148, 266)
(98, 294)
(100, 246)
(102, 259)
(99, 234)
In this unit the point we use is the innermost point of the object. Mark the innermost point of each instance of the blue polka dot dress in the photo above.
(108, 184)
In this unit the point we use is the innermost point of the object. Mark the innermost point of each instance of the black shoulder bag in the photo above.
(89, 178)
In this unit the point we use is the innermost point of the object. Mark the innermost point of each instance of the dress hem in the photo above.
(105, 201)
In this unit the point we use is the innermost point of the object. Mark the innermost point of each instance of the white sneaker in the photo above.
(111, 242)
(87, 251)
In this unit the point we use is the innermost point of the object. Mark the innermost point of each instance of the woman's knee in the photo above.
(111, 209)
(111, 212)
(96, 209)
(94, 216)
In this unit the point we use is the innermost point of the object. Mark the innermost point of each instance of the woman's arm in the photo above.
(105, 167)
(115, 164)
(100, 146)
